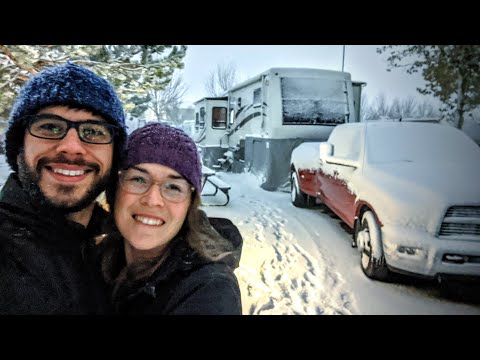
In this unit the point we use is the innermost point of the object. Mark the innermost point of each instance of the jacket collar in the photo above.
(15, 200)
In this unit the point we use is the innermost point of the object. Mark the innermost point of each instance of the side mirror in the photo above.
(326, 155)
(326, 149)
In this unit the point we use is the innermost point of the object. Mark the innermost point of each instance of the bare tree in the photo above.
(221, 80)
(403, 108)
(395, 110)
(379, 108)
(364, 108)
(408, 107)
(165, 103)
(426, 109)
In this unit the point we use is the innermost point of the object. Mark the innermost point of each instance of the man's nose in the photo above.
(71, 143)
(153, 197)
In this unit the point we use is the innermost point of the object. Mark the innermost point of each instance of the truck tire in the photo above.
(369, 241)
(299, 198)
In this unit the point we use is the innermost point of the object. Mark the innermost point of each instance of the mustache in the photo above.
(61, 159)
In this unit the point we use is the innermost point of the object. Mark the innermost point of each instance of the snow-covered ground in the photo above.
(4, 170)
(300, 261)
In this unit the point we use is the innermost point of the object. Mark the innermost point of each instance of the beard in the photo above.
(30, 179)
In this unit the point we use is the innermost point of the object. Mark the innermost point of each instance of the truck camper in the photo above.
(256, 124)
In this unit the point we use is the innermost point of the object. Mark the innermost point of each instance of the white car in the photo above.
(410, 192)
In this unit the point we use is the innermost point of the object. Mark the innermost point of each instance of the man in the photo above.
(66, 132)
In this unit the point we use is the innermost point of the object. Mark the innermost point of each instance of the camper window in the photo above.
(313, 101)
(202, 118)
(257, 97)
(196, 121)
(219, 118)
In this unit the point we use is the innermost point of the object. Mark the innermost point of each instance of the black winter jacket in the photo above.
(186, 283)
(42, 267)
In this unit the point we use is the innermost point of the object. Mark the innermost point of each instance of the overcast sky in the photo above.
(361, 61)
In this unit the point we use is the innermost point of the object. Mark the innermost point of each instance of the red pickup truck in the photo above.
(409, 191)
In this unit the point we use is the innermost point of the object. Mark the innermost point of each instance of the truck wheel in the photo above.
(369, 241)
(299, 198)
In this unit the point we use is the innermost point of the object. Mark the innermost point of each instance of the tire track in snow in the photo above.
(295, 282)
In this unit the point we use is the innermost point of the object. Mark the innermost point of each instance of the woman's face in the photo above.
(148, 221)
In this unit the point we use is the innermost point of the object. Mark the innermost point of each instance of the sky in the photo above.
(361, 61)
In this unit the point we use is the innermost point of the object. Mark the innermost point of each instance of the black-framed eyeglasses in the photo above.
(139, 182)
(54, 127)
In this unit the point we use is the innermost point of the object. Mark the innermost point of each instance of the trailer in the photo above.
(255, 126)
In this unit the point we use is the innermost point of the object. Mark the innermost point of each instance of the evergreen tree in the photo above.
(452, 73)
(134, 70)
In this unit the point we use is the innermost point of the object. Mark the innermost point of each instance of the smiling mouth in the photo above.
(68, 172)
(148, 221)
(67, 175)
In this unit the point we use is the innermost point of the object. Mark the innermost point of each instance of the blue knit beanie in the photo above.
(165, 145)
(64, 85)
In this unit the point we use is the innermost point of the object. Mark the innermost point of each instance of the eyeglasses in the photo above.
(138, 182)
(54, 127)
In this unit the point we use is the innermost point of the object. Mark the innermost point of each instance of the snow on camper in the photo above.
(258, 123)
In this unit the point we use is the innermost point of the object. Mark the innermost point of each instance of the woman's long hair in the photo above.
(201, 236)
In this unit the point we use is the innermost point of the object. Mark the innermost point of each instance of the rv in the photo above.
(255, 126)
(188, 126)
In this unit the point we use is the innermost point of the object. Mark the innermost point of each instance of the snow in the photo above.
(426, 144)
(4, 170)
(407, 185)
(419, 175)
(300, 261)
(306, 156)
(471, 127)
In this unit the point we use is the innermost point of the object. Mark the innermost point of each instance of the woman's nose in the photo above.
(153, 197)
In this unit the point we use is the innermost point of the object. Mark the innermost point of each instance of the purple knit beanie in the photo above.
(165, 145)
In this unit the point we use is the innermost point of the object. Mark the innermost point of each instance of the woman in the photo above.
(163, 256)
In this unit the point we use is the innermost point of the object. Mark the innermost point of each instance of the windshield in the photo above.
(313, 101)
(419, 143)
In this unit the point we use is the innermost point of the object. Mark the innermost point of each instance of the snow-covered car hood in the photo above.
(417, 195)
(452, 182)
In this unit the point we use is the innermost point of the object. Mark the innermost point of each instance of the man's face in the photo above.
(68, 173)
